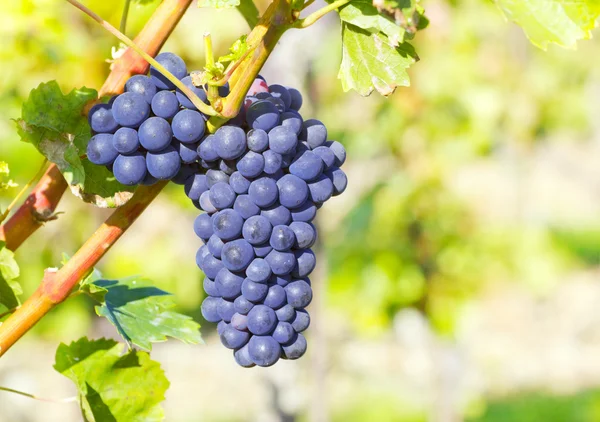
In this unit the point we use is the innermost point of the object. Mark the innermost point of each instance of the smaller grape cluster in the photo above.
(268, 172)
(150, 132)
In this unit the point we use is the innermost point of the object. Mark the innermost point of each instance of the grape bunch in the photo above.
(152, 131)
(268, 172)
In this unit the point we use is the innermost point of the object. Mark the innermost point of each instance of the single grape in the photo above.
(210, 287)
(242, 305)
(284, 333)
(224, 90)
(262, 115)
(222, 195)
(296, 349)
(326, 154)
(281, 92)
(282, 238)
(155, 134)
(263, 350)
(282, 140)
(339, 180)
(187, 152)
(225, 309)
(263, 192)
(307, 167)
(237, 254)
(305, 234)
(188, 126)
(209, 309)
(296, 99)
(272, 161)
(227, 224)
(299, 293)
(143, 85)
(293, 191)
(126, 141)
(286, 313)
(164, 104)
(258, 140)
(262, 250)
(280, 280)
(205, 203)
(174, 64)
(251, 164)
(321, 189)
(211, 266)
(184, 100)
(101, 119)
(315, 133)
(305, 262)
(339, 151)
(208, 149)
(275, 298)
(200, 254)
(239, 183)
(245, 207)
(230, 142)
(242, 357)
(215, 176)
(130, 169)
(130, 109)
(281, 263)
(221, 327)
(227, 166)
(163, 164)
(215, 246)
(301, 320)
(261, 320)
(306, 212)
(100, 149)
(239, 321)
(228, 284)
(292, 121)
(258, 271)
(257, 230)
(254, 292)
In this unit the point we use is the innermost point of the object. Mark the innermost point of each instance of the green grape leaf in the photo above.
(101, 188)
(364, 14)
(113, 387)
(142, 313)
(236, 51)
(249, 12)
(370, 61)
(10, 289)
(219, 4)
(562, 22)
(57, 126)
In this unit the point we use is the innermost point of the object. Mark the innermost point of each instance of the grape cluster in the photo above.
(152, 131)
(268, 173)
(260, 180)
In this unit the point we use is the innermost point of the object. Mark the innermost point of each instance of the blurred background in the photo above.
(457, 277)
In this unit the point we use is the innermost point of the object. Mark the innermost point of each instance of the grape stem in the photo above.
(212, 91)
(200, 105)
(31, 396)
(23, 190)
(123, 25)
(315, 16)
(56, 286)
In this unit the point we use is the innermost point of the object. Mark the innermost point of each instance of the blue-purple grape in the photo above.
(130, 109)
(130, 169)
(100, 149)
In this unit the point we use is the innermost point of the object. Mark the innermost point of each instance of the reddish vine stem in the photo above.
(44, 198)
(56, 286)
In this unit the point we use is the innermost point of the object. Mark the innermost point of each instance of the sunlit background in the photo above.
(458, 276)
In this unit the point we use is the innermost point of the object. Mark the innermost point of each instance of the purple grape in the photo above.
(277, 214)
(280, 280)
(282, 238)
(215, 176)
(187, 152)
(164, 104)
(227, 224)
(242, 305)
(305, 234)
(227, 166)
(237, 254)
(306, 212)
(184, 100)
(262, 250)
(225, 309)
(221, 327)
(126, 141)
(299, 294)
(272, 161)
(264, 350)
(263, 192)
(211, 266)
(296, 99)
(284, 333)
(130, 169)
(174, 64)
(163, 164)
(339, 180)
(155, 134)
(315, 133)
(296, 349)
(258, 271)
(239, 321)
(130, 109)
(100, 149)
(215, 246)
(230, 142)
(245, 207)
(286, 313)
(239, 183)
(209, 309)
(339, 151)
(282, 140)
(143, 85)
(321, 189)
(258, 140)
(305, 263)
(293, 191)
(307, 167)
(242, 357)
(210, 287)
(254, 292)
(301, 320)
(203, 226)
(101, 119)
(222, 195)
(251, 164)
(281, 263)
(281, 92)
(292, 121)
(326, 154)
(261, 320)
(188, 126)
(278, 102)
(205, 203)
(196, 186)
(208, 149)
(262, 115)
(257, 230)
(275, 298)
(228, 284)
